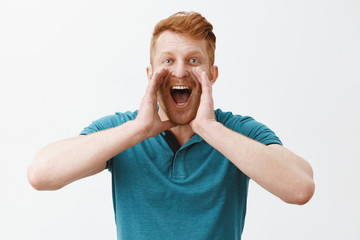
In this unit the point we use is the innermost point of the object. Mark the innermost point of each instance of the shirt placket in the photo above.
(179, 170)
(178, 165)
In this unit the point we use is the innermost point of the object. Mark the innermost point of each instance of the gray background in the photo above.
(293, 65)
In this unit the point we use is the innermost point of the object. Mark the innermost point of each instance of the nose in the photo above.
(180, 70)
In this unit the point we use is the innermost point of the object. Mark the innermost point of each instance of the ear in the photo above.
(149, 72)
(214, 73)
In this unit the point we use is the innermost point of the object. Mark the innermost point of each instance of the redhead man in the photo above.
(180, 169)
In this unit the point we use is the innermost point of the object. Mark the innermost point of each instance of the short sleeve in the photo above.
(103, 123)
(107, 122)
(260, 132)
(249, 127)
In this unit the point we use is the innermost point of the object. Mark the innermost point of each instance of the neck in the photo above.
(182, 133)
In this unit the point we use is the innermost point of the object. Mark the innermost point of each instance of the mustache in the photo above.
(190, 79)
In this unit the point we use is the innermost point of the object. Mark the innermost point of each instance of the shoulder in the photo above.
(229, 119)
(236, 122)
(109, 121)
(247, 126)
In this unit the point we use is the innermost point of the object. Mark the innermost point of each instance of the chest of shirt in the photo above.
(195, 169)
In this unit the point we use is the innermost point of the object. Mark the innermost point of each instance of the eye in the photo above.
(167, 61)
(194, 60)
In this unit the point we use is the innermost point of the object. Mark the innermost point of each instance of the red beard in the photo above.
(180, 99)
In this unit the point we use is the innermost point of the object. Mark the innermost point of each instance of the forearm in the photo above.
(66, 161)
(63, 162)
(274, 168)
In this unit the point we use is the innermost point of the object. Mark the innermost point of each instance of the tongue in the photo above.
(181, 97)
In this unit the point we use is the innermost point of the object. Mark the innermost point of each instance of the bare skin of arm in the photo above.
(273, 167)
(63, 162)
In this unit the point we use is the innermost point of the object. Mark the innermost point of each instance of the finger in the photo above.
(167, 125)
(156, 80)
(203, 79)
(196, 75)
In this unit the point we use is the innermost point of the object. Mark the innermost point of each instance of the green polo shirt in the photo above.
(161, 191)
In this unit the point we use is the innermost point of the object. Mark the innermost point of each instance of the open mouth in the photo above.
(180, 94)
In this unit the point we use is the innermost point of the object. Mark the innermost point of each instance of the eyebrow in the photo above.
(190, 53)
(195, 53)
(165, 53)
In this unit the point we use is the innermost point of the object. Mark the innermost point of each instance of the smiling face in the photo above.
(179, 95)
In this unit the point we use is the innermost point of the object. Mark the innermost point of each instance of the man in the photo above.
(180, 170)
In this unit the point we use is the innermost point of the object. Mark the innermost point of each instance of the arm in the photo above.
(275, 168)
(63, 162)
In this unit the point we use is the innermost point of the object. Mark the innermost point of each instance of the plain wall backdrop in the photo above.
(293, 65)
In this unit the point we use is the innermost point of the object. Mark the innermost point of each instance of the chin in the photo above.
(182, 120)
(181, 116)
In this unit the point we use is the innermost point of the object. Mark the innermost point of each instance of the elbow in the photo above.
(39, 180)
(302, 193)
(306, 193)
(36, 179)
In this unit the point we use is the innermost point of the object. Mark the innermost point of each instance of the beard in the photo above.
(180, 105)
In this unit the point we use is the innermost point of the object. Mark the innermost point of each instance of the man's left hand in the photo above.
(205, 113)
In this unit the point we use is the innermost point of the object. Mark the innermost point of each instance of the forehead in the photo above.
(175, 43)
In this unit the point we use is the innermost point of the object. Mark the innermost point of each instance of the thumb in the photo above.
(167, 125)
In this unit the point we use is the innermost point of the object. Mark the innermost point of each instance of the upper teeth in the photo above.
(180, 87)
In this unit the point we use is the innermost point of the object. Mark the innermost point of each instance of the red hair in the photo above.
(190, 24)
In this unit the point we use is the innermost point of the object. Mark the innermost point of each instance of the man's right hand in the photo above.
(65, 161)
(148, 118)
